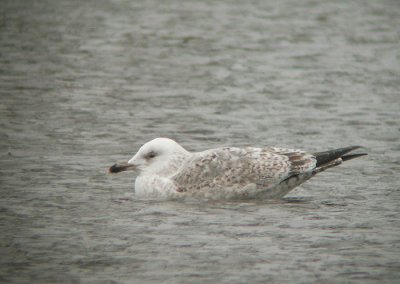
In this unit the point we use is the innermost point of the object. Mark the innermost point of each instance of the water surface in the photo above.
(84, 84)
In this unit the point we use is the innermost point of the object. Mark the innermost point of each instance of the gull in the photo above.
(167, 171)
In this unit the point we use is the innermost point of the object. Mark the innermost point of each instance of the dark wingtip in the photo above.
(331, 155)
(353, 156)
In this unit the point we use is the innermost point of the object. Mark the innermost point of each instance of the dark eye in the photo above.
(151, 155)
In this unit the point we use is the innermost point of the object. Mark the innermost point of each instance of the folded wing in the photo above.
(238, 167)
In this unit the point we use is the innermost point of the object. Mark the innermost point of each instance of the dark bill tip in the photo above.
(116, 168)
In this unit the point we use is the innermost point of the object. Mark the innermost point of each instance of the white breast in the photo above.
(155, 186)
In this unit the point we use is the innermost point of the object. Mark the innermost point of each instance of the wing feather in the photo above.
(238, 167)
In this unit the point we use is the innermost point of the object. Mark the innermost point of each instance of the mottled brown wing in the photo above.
(300, 161)
(238, 167)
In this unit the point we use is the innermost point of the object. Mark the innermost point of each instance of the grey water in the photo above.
(83, 84)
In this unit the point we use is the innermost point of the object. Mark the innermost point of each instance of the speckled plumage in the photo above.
(166, 170)
(239, 172)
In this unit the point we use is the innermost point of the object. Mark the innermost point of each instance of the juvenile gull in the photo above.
(167, 170)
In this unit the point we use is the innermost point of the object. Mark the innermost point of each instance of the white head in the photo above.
(159, 156)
